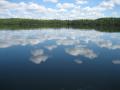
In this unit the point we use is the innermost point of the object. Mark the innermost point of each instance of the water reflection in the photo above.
(51, 47)
(75, 42)
(62, 59)
(78, 61)
(116, 61)
(81, 51)
(67, 42)
(38, 56)
(106, 44)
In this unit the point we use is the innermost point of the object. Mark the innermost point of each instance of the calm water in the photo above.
(59, 59)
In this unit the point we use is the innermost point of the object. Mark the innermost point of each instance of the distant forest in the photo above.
(18, 23)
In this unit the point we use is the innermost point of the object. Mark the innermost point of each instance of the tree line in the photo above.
(38, 23)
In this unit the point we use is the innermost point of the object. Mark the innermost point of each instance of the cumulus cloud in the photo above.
(22, 37)
(52, 1)
(51, 47)
(37, 52)
(26, 10)
(81, 1)
(106, 5)
(116, 2)
(78, 61)
(116, 46)
(65, 5)
(77, 51)
(67, 42)
(61, 10)
(115, 36)
(38, 56)
(4, 44)
(116, 61)
(104, 43)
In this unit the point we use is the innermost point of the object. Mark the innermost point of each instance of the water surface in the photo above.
(59, 59)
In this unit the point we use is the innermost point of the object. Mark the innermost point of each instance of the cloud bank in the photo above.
(60, 10)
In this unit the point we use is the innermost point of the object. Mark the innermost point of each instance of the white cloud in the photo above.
(116, 2)
(104, 43)
(37, 52)
(78, 61)
(60, 11)
(77, 51)
(67, 42)
(81, 1)
(51, 47)
(116, 46)
(65, 5)
(106, 5)
(52, 1)
(116, 61)
(38, 56)
(23, 38)
(39, 59)
(5, 44)
(21, 10)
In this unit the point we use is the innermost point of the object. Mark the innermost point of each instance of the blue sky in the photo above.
(59, 9)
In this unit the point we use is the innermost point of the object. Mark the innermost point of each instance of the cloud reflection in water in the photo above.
(38, 56)
(116, 61)
(78, 39)
(78, 61)
(81, 51)
(51, 47)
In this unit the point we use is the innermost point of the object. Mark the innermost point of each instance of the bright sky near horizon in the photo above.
(59, 9)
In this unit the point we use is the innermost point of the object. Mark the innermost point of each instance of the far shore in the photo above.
(100, 24)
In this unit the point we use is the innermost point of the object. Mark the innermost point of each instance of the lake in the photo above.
(59, 59)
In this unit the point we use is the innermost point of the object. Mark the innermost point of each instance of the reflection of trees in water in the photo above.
(102, 24)
(97, 28)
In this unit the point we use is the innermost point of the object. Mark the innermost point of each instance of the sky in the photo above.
(59, 9)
